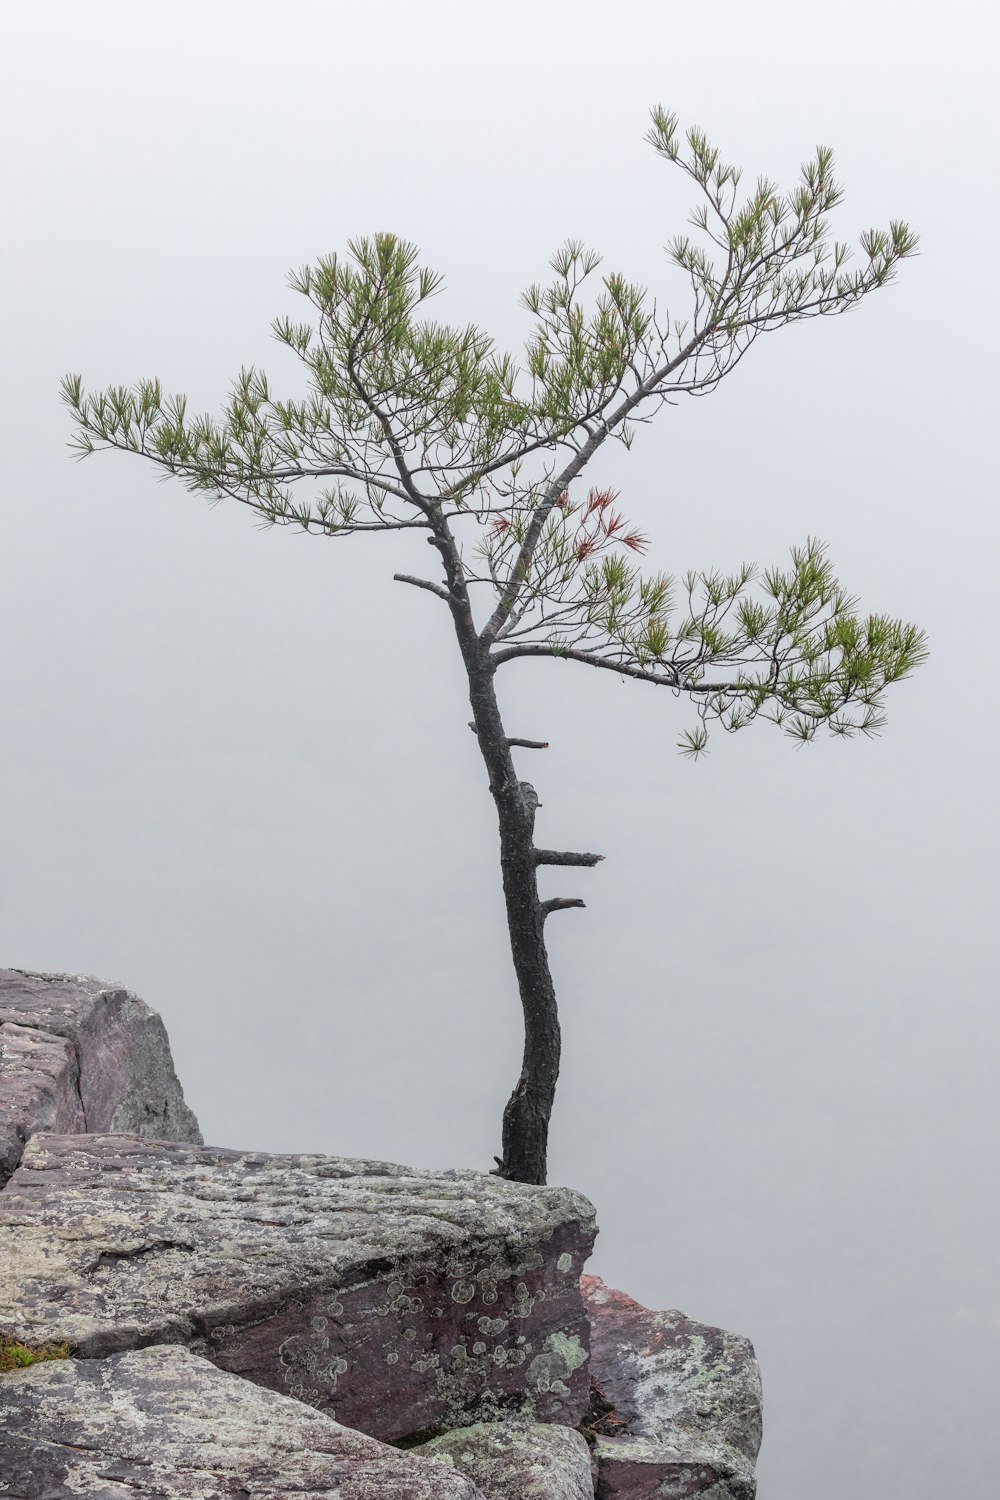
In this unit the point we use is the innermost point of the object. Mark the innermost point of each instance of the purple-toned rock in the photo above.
(395, 1300)
(518, 1460)
(79, 1055)
(39, 1089)
(686, 1399)
(162, 1422)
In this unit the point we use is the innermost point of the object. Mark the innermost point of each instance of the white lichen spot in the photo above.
(463, 1291)
(492, 1326)
(565, 1262)
(561, 1354)
(523, 1301)
(392, 1358)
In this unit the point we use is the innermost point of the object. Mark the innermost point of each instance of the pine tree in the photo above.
(413, 425)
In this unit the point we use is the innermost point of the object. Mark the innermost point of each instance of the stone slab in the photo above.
(162, 1422)
(518, 1460)
(78, 1055)
(688, 1394)
(396, 1300)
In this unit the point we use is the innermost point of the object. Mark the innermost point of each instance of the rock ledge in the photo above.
(395, 1300)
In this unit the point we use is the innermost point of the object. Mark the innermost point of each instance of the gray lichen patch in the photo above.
(513, 1460)
(163, 1422)
(689, 1394)
(394, 1300)
(561, 1356)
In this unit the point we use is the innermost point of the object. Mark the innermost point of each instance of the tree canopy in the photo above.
(410, 424)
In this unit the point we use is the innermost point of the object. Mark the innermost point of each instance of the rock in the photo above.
(689, 1396)
(518, 1460)
(162, 1422)
(78, 1055)
(39, 1089)
(396, 1300)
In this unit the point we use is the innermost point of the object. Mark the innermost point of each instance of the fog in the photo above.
(236, 769)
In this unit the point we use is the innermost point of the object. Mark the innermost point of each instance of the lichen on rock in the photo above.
(395, 1300)
(162, 1422)
(687, 1397)
(518, 1460)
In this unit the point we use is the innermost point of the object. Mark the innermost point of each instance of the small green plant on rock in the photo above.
(17, 1356)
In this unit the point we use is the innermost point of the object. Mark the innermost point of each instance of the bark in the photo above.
(526, 1117)
(529, 1109)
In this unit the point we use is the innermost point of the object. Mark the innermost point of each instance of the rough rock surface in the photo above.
(395, 1300)
(162, 1422)
(78, 1055)
(518, 1460)
(690, 1396)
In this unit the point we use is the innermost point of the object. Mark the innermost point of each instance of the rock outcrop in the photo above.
(689, 1397)
(395, 1300)
(518, 1460)
(190, 1323)
(162, 1422)
(78, 1055)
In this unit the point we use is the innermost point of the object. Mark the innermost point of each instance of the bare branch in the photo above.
(423, 583)
(561, 903)
(591, 659)
(513, 741)
(564, 857)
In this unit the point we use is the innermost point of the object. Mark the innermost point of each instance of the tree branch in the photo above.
(423, 583)
(576, 465)
(513, 741)
(624, 669)
(564, 857)
(560, 903)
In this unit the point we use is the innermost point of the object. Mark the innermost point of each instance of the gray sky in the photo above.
(237, 774)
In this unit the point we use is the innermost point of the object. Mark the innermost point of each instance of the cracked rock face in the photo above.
(518, 1460)
(78, 1055)
(690, 1397)
(162, 1422)
(395, 1300)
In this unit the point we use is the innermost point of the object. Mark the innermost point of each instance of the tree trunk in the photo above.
(529, 1108)
(526, 1117)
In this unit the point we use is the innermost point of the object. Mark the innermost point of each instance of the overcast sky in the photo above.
(236, 770)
